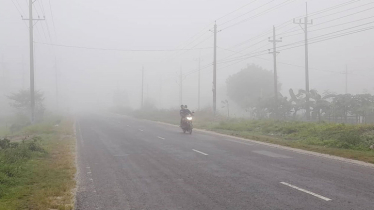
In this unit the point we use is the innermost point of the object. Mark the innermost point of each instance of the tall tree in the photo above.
(249, 85)
(21, 102)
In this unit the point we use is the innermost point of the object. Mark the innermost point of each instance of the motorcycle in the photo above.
(187, 124)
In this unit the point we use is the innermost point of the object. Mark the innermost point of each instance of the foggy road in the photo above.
(126, 163)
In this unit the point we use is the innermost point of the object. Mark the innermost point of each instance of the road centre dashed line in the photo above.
(199, 152)
(140, 130)
(160, 138)
(306, 191)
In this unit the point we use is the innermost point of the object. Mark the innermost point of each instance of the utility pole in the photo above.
(305, 29)
(31, 39)
(214, 89)
(274, 40)
(142, 95)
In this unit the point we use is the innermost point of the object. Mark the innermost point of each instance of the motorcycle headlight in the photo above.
(189, 118)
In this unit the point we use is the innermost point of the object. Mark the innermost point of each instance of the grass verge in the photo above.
(343, 140)
(39, 173)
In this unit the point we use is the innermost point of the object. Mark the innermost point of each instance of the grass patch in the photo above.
(344, 140)
(39, 173)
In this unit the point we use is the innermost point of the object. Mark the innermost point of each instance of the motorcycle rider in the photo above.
(187, 111)
(183, 113)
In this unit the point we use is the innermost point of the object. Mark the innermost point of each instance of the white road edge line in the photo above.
(160, 137)
(306, 191)
(140, 129)
(199, 152)
(299, 151)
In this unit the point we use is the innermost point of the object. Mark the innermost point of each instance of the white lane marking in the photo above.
(141, 130)
(127, 125)
(306, 191)
(160, 137)
(199, 152)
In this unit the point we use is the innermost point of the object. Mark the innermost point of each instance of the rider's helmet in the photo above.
(182, 106)
(185, 106)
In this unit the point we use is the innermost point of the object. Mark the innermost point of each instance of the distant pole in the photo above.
(142, 94)
(31, 39)
(32, 91)
(306, 23)
(274, 41)
(215, 70)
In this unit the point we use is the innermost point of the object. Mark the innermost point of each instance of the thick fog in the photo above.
(95, 48)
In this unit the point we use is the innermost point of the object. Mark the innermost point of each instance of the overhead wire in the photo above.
(247, 12)
(236, 10)
(318, 29)
(343, 11)
(258, 15)
(113, 49)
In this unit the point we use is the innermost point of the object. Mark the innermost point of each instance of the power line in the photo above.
(19, 11)
(282, 25)
(193, 47)
(343, 11)
(324, 35)
(335, 26)
(126, 50)
(344, 16)
(333, 37)
(247, 12)
(236, 10)
(53, 20)
(255, 16)
(314, 40)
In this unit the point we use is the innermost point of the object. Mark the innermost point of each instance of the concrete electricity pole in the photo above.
(305, 29)
(214, 88)
(31, 39)
(274, 41)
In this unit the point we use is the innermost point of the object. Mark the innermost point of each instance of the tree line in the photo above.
(252, 89)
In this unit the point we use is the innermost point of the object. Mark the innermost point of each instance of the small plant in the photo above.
(4, 143)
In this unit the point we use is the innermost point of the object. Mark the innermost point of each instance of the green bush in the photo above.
(13, 156)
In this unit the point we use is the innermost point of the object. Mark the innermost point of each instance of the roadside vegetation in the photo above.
(37, 166)
(344, 140)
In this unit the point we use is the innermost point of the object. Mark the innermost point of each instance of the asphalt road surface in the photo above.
(126, 163)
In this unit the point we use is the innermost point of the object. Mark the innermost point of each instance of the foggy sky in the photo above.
(87, 78)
